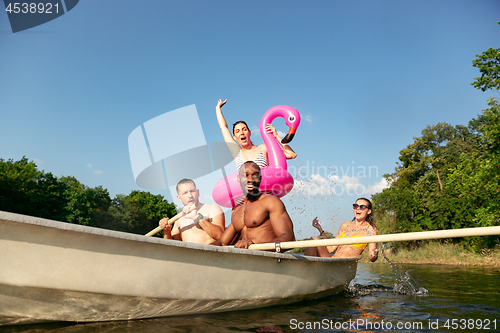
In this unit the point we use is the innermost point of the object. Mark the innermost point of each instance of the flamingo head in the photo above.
(292, 119)
(276, 156)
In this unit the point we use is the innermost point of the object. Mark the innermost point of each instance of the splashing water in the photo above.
(405, 283)
(355, 290)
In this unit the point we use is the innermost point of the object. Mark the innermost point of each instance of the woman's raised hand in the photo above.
(270, 129)
(317, 225)
(220, 103)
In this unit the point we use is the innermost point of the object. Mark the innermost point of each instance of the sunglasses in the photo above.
(362, 207)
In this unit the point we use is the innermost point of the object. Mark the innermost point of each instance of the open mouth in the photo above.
(251, 187)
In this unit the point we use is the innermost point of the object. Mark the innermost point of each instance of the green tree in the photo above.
(465, 163)
(427, 153)
(468, 162)
(83, 203)
(48, 199)
(476, 180)
(154, 207)
(489, 65)
(138, 212)
(26, 190)
(17, 182)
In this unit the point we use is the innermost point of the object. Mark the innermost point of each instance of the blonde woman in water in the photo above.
(361, 225)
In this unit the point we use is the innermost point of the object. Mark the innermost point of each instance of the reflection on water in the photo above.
(459, 299)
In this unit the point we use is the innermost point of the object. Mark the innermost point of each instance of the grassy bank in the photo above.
(441, 254)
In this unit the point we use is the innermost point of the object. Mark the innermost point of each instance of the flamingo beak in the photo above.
(289, 136)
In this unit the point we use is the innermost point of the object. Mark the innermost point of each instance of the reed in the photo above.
(437, 253)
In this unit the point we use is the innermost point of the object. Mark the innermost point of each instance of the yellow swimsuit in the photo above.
(343, 234)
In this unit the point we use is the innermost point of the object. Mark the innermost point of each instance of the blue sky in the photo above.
(366, 76)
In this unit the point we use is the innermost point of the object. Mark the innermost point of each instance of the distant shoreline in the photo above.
(435, 253)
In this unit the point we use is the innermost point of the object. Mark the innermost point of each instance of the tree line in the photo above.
(24, 189)
(449, 177)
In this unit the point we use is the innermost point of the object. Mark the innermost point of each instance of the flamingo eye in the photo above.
(291, 119)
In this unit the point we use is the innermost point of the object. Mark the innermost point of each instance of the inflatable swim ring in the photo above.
(276, 180)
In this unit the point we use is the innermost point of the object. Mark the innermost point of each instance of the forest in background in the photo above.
(26, 190)
(449, 177)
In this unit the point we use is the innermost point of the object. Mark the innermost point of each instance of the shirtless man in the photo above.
(205, 224)
(262, 218)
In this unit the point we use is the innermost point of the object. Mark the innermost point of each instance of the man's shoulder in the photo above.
(209, 206)
(271, 199)
(267, 196)
(212, 208)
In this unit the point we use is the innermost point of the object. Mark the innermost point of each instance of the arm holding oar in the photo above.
(213, 230)
(169, 222)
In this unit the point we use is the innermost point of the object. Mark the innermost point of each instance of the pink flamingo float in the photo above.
(276, 179)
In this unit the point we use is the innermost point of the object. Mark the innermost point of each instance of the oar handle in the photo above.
(410, 236)
(171, 221)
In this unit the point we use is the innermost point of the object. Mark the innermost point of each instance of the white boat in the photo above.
(55, 271)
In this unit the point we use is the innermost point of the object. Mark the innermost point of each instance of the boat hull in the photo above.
(54, 271)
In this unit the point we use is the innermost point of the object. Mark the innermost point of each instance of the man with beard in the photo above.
(262, 218)
(204, 224)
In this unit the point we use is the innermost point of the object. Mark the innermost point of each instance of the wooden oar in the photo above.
(171, 221)
(410, 236)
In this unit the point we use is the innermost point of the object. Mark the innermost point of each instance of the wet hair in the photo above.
(240, 122)
(369, 218)
(184, 181)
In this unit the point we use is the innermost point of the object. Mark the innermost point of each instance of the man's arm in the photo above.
(214, 231)
(168, 232)
(280, 220)
(227, 236)
(214, 226)
(287, 150)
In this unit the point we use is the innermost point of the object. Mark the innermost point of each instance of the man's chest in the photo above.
(250, 216)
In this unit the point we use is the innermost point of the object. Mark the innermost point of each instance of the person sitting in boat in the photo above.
(203, 224)
(262, 218)
(240, 145)
(361, 225)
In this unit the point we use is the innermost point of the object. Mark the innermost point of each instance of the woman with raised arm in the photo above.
(361, 225)
(240, 145)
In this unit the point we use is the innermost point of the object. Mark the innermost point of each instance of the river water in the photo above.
(459, 299)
